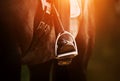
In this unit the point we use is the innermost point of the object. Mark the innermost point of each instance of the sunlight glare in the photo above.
(74, 8)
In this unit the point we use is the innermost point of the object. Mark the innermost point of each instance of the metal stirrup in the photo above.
(65, 58)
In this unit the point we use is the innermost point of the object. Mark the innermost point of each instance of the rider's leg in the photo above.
(63, 10)
(69, 24)
(64, 22)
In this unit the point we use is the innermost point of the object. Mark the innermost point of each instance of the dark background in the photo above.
(104, 64)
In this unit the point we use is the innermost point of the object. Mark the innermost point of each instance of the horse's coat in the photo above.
(24, 39)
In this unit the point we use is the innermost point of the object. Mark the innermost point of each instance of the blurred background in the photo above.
(104, 64)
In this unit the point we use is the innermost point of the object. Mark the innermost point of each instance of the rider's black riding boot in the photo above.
(65, 44)
(65, 48)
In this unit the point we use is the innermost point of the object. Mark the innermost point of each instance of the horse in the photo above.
(22, 41)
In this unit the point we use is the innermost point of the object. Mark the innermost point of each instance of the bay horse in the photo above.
(22, 41)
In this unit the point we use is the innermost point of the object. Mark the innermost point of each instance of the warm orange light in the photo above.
(74, 8)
